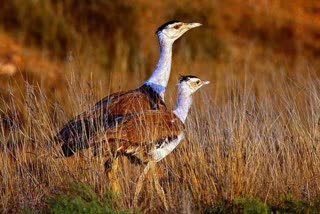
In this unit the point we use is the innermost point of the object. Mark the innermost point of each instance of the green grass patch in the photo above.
(239, 205)
(80, 198)
(287, 204)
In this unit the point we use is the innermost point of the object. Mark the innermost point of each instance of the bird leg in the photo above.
(140, 183)
(111, 167)
(159, 188)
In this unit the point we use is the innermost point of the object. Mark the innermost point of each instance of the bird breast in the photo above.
(165, 147)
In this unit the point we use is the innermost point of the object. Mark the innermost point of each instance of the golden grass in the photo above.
(255, 136)
(254, 131)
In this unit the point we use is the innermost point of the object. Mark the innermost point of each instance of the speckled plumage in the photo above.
(76, 134)
(139, 134)
(152, 134)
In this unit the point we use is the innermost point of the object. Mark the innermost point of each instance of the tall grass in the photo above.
(256, 136)
(253, 133)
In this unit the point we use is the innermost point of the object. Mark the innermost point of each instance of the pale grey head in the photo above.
(189, 84)
(173, 30)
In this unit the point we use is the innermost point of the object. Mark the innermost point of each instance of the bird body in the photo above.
(140, 135)
(147, 136)
(76, 133)
(152, 134)
(150, 96)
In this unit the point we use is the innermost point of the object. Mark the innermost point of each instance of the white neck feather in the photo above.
(183, 105)
(160, 76)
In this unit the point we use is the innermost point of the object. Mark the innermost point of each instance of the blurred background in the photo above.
(53, 45)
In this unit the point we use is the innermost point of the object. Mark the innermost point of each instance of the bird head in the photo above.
(189, 84)
(172, 30)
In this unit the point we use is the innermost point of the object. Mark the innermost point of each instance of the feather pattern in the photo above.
(76, 133)
(150, 135)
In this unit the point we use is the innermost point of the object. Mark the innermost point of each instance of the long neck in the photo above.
(183, 106)
(160, 76)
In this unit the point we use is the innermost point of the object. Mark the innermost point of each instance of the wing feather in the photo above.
(136, 135)
(145, 127)
(76, 133)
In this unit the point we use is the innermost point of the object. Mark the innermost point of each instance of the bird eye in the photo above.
(198, 82)
(177, 26)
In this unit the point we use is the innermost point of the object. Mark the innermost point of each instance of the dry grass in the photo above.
(255, 137)
(254, 132)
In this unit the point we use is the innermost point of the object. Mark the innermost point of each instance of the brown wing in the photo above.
(137, 134)
(141, 99)
(76, 133)
(143, 128)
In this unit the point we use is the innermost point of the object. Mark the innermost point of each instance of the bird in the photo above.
(75, 133)
(151, 135)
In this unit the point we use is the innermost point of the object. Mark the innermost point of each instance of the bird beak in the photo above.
(193, 25)
(206, 82)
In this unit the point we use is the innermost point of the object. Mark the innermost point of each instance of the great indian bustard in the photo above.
(149, 96)
(151, 135)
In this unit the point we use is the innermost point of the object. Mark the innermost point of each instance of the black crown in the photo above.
(186, 78)
(166, 24)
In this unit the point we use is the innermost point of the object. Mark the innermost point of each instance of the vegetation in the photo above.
(252, 136)
(253, 205)
(80, 198)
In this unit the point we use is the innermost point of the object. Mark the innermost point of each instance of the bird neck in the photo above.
(160, 76)
(183, 105)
